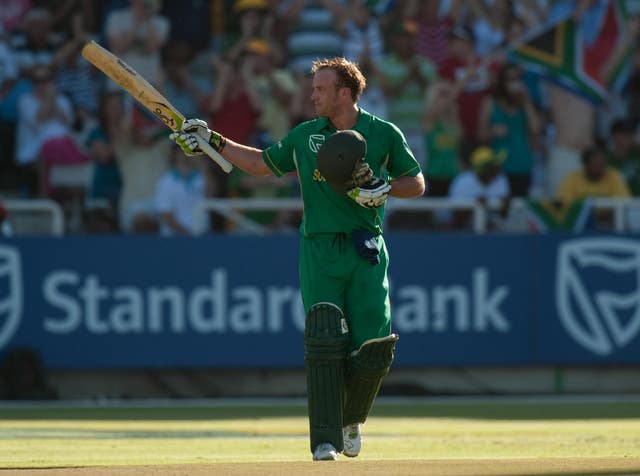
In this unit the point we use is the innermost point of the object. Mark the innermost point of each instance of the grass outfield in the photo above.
(413, 436)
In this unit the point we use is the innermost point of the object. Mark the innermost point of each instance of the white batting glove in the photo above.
(187, 142)
(372, 194)
(197, 126)
(200, 127)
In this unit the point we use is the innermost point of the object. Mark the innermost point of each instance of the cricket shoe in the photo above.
(352, 440)
(325, 452)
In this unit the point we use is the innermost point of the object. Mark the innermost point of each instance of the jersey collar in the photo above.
(363, 125)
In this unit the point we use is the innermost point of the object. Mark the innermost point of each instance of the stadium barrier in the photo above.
(626, 211)
(35, 216)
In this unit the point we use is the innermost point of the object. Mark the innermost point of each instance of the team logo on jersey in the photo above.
(315, 141)
(10, 293)
(598, 292)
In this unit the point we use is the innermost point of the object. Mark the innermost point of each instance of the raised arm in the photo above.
(248, 159)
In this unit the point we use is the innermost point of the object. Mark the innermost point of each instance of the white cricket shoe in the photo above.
(325, 452)
(352, 440)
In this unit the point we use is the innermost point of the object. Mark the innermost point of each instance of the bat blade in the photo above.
(143, 92)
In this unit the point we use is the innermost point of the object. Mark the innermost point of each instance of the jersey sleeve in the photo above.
(401, 161)
(279, 156)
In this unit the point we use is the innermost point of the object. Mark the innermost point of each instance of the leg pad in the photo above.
(326, 341)
(366, 368)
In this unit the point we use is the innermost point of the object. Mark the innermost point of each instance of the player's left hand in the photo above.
(372, 194)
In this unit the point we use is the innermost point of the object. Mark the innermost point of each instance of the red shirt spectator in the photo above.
(471, 74)
(235, 107)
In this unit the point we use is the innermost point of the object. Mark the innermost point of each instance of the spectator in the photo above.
(442, 137)
(473, 79)
(44, 133)
(484, 182)
(573, 116)
(35, 43)
(137, 34)
(64, 14)
(235, 106)
(12, 13)
(276, 86)
(363, 40)
(364, 44)
(573, 119)
(595, 179)
(434, 27)
(106, 182)
(489, 24)
(178, 193)
(8, 78)
(256, 22)
(404, 77)
(32, 44)
(507, 120)
(8, 66)
(187, 91)
(76, 78)
(624, 154)
(301, 108)
(142, 158)
(315, 29)
(485, 179)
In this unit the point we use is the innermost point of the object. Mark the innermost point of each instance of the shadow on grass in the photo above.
(486, 410)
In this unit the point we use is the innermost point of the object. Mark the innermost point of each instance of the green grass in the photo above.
(84, 436)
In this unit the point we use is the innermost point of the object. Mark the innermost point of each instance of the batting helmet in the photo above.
(338, 156)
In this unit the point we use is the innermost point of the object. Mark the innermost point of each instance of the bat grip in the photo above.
(211, 152)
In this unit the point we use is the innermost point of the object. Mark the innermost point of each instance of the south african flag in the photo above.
(590, 56)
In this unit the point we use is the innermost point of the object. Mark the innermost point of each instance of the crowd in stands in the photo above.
(481, 124)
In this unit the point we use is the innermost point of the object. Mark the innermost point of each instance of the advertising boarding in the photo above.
(91, 302)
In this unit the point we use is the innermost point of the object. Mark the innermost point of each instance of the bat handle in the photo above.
(211, 152)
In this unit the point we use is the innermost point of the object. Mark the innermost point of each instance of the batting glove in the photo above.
(200, 127)
(362, 174)
(372, 194)
(187, 142)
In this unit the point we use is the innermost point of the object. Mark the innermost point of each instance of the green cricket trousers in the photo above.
(332, 271)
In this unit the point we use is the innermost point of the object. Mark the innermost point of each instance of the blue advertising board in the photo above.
(91, 302)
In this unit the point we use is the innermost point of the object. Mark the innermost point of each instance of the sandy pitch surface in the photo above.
(435, 467)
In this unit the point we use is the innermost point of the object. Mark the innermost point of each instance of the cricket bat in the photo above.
(145, 94)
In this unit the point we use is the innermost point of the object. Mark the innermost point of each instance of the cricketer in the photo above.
(348, 162)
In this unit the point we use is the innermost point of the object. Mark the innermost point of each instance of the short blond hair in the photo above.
(349, 75)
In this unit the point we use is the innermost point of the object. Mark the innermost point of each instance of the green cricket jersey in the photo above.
(324, 210)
